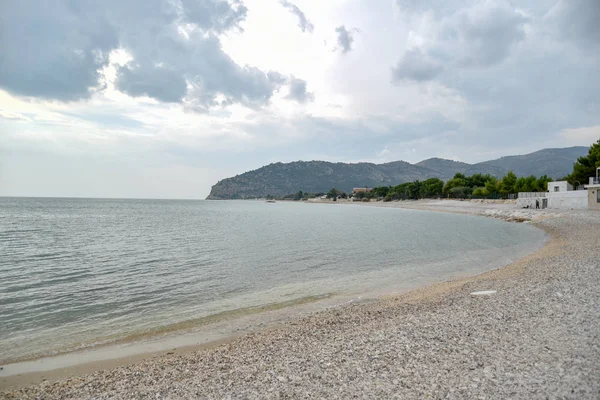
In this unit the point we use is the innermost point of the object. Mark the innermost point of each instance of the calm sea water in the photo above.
(77, 272)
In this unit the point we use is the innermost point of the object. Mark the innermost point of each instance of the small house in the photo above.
(593, 189)
(559, 187)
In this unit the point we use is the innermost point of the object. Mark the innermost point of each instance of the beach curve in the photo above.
(373, 347)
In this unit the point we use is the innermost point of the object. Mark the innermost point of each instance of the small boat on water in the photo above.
(270, 201)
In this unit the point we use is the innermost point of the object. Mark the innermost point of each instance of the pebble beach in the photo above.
(534, 333)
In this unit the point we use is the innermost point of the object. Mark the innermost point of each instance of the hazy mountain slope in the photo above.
(555, 163)
(446, 168)
(485, 169)
(320, 176)
(315, 176)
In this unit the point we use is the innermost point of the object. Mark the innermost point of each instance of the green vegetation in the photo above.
(334, 193)
(462, 187)
(300, 195)
(585, 167)
(281, 179)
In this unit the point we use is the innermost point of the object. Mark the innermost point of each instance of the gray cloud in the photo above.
(298, 91)
(207, 71)
(484, 34)
(438, 7)
(217, 16)
(156, 82)
(586, 13)
(503, 77)
(55, 50)
(52, 49)
(345, 38)
(276, 77)
(479, 36)
(518, 69)
(414, 65)
(303, 22)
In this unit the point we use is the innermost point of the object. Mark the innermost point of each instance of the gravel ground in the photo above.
(537, 337)
(502, 209)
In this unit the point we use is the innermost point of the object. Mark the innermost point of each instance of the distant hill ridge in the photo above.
(279, 179)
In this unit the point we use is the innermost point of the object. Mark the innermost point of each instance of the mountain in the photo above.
(552, 162)
(446, 168)
(279, 179)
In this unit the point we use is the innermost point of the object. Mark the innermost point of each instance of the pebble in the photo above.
(483, 293)
(517, 346)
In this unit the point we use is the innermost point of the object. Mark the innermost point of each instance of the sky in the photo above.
(163, 98)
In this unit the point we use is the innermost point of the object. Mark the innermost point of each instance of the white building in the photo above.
(593, 190)
(559, 186)
(560, 195)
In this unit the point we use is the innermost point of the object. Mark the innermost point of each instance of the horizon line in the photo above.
(100, 198)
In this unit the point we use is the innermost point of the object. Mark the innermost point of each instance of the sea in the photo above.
(81, 273)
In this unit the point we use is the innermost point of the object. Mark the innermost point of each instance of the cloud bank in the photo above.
(125, 91)
(57, 50)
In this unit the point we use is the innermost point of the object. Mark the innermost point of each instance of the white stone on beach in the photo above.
(484, 293)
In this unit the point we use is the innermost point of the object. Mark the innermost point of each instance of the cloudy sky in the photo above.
(162, 98)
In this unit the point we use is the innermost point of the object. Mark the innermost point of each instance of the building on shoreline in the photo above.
(560, 195)
(362, 190)
(559, 187)
(593, 189)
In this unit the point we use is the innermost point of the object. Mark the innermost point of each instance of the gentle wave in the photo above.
(182, 326)
(78, 272)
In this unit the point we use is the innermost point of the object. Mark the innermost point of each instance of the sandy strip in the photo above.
(537, 336)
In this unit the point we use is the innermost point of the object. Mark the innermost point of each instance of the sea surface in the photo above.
(76, 273)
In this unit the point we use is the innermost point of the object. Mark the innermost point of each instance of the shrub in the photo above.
(480, 192)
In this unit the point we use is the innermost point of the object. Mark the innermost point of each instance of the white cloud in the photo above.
(462, 79)
(583, 136)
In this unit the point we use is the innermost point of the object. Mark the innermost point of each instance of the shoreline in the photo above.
(426, 297)
(125, 352)
(498, 209)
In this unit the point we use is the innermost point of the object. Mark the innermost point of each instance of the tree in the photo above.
(492, 186)
(414, 190)
(432, 187)
(480, 192)
(461, 192)
(299, 195)
(459, 180)
(508, 183)
(333, 193)
(477, 180)
(585, 167)
(542, 183)
(524, 184)
(382, 191)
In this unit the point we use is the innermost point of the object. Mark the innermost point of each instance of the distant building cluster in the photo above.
(561, 195)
